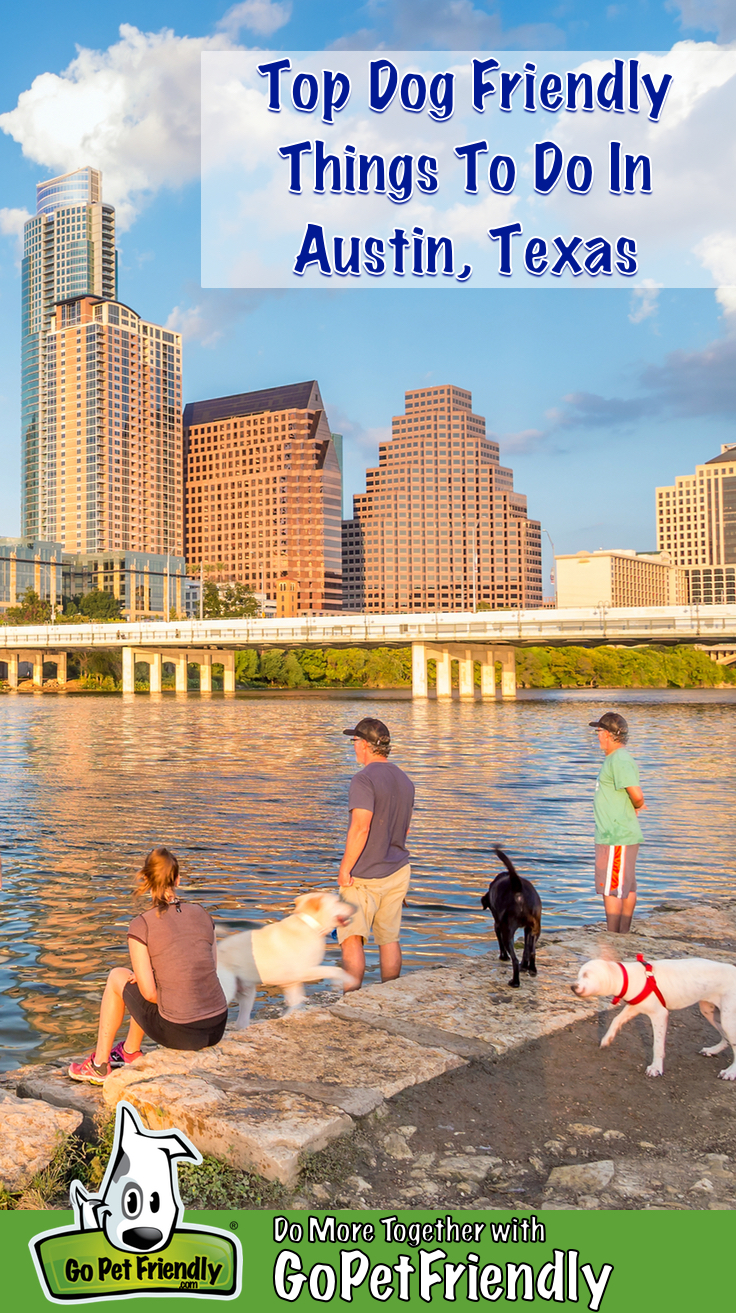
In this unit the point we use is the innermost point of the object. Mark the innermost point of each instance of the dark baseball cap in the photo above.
(371, 731)
(611, 721)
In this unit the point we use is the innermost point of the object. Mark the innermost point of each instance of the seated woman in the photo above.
(172, 994)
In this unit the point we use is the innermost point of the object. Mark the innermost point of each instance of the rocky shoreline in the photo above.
(444, 1088)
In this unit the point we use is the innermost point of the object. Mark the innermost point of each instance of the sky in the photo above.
(595, 397)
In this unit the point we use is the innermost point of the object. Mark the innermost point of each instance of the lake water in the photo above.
(251, 791)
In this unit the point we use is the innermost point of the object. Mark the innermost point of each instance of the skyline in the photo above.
(582, 395)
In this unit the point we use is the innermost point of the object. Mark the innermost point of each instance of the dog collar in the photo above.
(650, 985)
(309, 920)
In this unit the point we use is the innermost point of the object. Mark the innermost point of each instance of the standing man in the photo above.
(617, 800)
(374, 872)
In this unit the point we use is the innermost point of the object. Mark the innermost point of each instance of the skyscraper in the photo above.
(439, 526)
(101, 405)
(696, 524)
(69, 250)
(263, 499)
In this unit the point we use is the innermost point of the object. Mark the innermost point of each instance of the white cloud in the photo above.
(644, 301)
(11, 225)
(206, 316)
(448, 25)
(131, 110)
(262, 16)
(11, 222)
(708, 16)
(718, 254)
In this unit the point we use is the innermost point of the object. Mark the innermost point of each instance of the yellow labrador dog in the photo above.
(284, 953)
(660, 988)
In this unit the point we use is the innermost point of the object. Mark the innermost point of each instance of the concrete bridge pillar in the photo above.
(466, 676)
(12, 660)
(60, 659)
(444, 675)
(38, 669)
(488, 674)
(128, 670)
(228, 670)
(155, 671)
(419, 671)
(205, 672)
(181, 672)
(507, 656)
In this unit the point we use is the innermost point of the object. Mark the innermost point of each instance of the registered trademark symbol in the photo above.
(233, 1226)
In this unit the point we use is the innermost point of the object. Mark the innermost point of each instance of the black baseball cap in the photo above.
(611, 721)
(371, 731)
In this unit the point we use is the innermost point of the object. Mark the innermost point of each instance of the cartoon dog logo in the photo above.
(138, 1206)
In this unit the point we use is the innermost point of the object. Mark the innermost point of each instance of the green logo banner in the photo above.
(75, 1267)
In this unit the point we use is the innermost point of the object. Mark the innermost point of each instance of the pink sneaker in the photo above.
(89, 1071)
(120, 1056)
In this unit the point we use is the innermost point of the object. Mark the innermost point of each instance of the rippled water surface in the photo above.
(251, 793)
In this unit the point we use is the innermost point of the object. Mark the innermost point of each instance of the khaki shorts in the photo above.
(378, 904)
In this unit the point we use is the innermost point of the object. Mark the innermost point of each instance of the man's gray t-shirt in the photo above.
(385, 790)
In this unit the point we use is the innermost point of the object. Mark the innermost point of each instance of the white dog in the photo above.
(664, 987)
(138, 1205)
(284, 953)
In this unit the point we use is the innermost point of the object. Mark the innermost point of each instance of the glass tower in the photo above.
(69, 251)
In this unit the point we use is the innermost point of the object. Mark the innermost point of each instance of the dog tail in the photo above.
(513, 873)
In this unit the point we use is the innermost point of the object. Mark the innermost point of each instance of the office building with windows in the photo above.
(621, 577)
(696, 524)
(101, 405)
(263, 494)
(440, 526)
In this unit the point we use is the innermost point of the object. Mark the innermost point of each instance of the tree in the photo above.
(32, 610)
(228, 602)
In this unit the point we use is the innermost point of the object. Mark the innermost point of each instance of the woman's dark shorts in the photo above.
(192, 1037)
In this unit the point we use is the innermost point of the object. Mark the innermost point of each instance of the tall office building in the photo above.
(101, 405)
(696, 524)
(263, 493)
(439, 526)
(69, 250)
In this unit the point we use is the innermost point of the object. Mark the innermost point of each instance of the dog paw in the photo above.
(514, 984)
(532, 970)
(654, 1070)
(709, 1053)
(606, 1042)
(728, 1073)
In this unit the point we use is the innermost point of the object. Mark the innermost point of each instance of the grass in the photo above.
(210, 1184)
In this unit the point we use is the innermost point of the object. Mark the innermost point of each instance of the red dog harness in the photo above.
(650, 986)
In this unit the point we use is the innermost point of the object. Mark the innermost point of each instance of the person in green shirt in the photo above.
(616, 804)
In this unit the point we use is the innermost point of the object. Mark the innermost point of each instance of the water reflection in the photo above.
(251, 794)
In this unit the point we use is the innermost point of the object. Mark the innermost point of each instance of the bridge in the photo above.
(467, 637)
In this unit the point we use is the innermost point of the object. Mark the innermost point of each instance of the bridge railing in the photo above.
(519, 628)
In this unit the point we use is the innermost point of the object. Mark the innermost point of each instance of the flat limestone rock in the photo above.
(312, 1048)
(461, 1000)
(30, 1133)
(582, 1177)
(263, 1133)
(53, 1085)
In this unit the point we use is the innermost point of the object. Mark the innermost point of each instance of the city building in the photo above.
(263, 493)
(353, 566)
(439, 526)
(101, 396)
(24, 564)
(696, 523)
(618, 578)
(140, 580)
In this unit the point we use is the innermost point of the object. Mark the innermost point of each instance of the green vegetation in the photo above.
(31, 610)
(97, 605)
(536, 667)
(233, 602)
(619, 667)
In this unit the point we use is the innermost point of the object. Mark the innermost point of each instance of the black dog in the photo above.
(515, 905)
